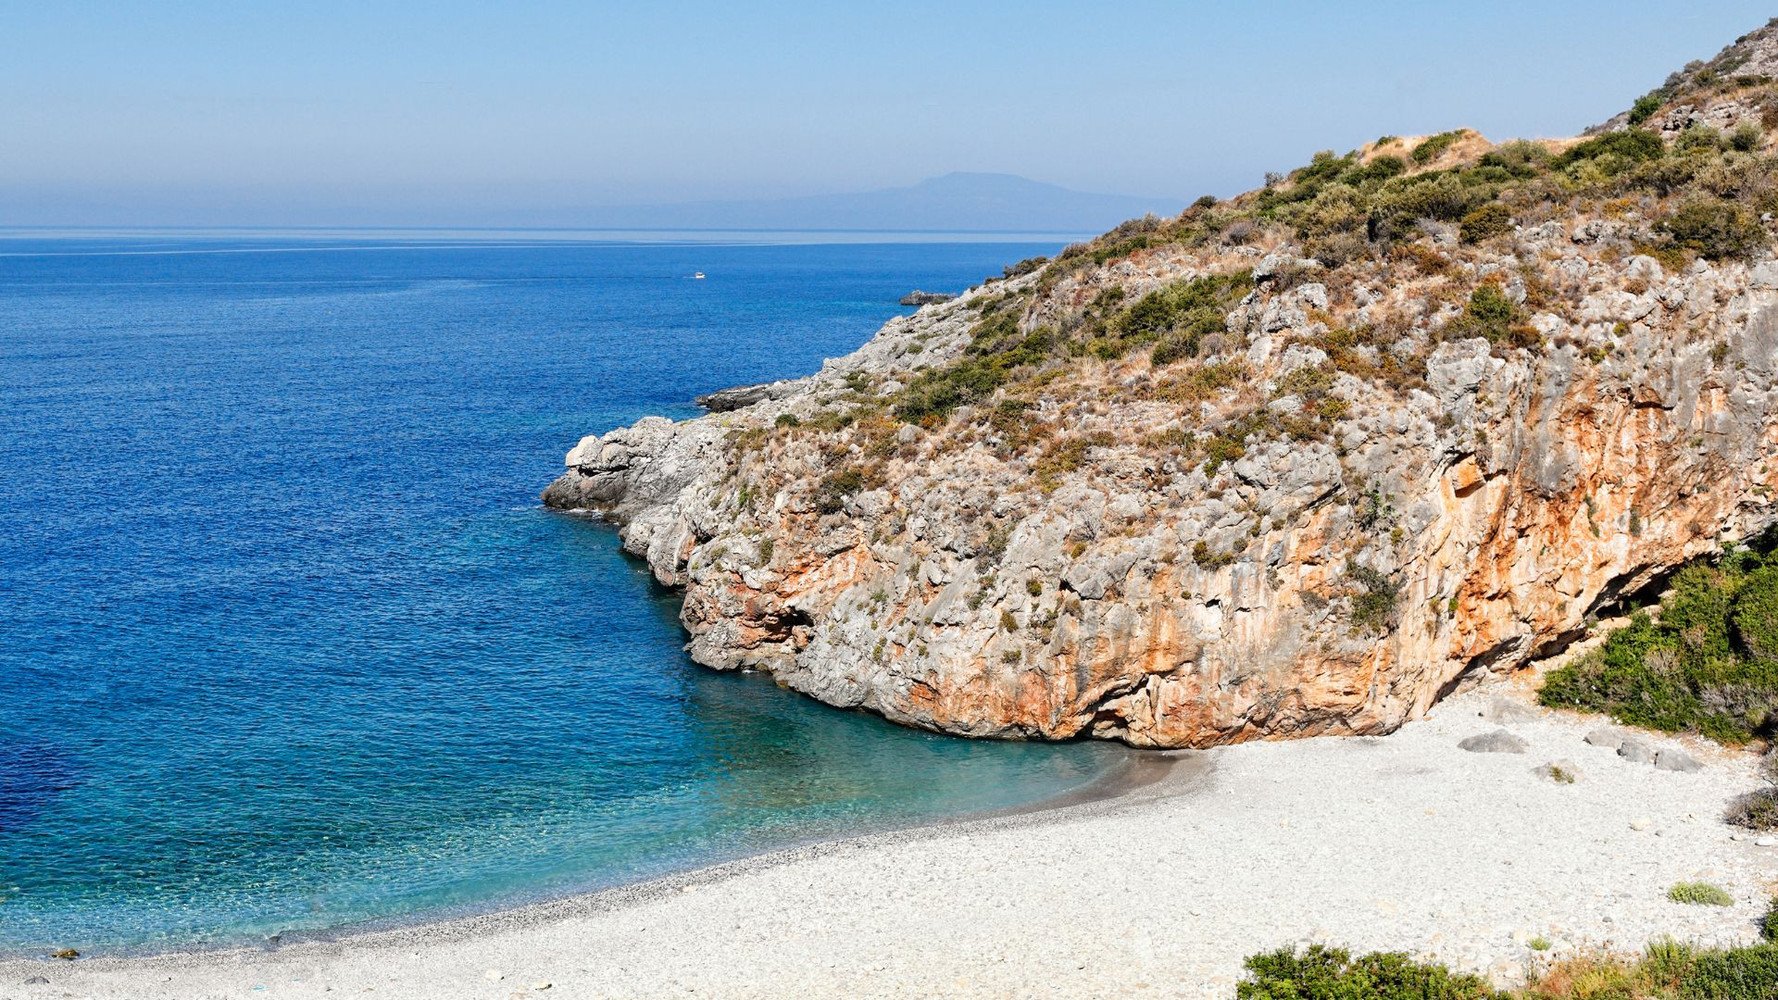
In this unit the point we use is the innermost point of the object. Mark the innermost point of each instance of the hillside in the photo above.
(1299, 462)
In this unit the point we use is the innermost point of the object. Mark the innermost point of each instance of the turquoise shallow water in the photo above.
(286, 642)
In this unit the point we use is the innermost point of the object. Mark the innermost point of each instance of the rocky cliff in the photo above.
(1298, 462)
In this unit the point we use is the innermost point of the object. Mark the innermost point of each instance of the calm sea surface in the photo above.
(286, 641)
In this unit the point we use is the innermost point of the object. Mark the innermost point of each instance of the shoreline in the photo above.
(1157, 883)
(1140, 770)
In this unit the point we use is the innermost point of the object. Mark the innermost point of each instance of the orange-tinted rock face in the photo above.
(1171, 555)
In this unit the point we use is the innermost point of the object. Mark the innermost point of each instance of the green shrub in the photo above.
(1374, 606)
(1732, 974)
(1705, 666)
(1614, 152)
(1768, 924)
(1429, 149)
(1715, 228)
(1518, 158)
(1666, 971)
(1178, 316)
(1699, 894)
(1490, 314)
(1755, 613)
(1646, 106)
(835, 487)
(1486, 222)
(1755, 810)
(1320, 973)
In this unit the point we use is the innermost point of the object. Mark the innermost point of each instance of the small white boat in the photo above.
(699, 275)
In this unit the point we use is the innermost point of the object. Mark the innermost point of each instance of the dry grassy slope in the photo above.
(1405, 451)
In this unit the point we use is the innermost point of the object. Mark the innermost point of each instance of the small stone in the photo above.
(65, 954)
(1498, 741)
(541, 985)
(1636, 752)
(1641, 823)
(1562, 772)
(36, 981)
(1766, 842)
(1671, 759)
(1606, 737)
(1508, 711)
(493, 975)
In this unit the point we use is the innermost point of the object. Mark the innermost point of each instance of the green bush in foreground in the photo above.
(1665, 971)
(1699, 894)
(1320, 973)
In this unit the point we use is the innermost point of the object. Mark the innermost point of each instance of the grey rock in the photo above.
(1562, 772)
(36, 981)
(1508, 711)
(1498, 741)
(1672, 759)
(920, 298)
(1635, 751)
(736, 397)
(1605, 737)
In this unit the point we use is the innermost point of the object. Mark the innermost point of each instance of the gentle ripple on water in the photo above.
(285, 641)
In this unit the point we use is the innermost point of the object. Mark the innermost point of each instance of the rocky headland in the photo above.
(1303, 461)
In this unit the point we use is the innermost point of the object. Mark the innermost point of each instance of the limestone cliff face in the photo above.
(1348, 497)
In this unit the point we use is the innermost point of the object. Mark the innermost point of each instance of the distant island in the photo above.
(955, 202)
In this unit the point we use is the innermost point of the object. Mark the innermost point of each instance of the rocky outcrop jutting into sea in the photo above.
(1300, 462)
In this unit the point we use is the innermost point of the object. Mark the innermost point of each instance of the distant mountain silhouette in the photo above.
(957, 201)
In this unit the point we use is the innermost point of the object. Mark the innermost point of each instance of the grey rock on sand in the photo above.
(1672, 759)
(1636, 751)
(1562, 772)
(1507, 711)
(1605, 737)
(1498, 741)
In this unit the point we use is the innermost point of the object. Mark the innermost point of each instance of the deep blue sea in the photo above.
(286, 641)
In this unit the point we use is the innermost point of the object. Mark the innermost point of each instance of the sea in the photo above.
(288, 645)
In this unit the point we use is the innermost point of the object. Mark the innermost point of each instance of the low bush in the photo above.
(836, 487)
(1321, 973)
(1646, 106)
(1485, 223)
(1490, 314)
(1703, 667)
(1373, 607)
(1699, 894)
(1755, 810)
(1429, 149)
(1178, 317)
(1716, 228)
(1666, 970)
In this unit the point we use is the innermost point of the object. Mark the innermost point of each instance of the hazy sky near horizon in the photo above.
(443, 113)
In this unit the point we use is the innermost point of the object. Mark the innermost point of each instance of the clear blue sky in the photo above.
(445, 113)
